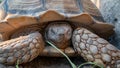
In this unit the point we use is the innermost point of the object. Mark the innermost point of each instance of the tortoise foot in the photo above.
(22, 49)
(95, 49)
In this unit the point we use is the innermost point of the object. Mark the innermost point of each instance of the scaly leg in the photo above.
(95, 49)
(22, 49)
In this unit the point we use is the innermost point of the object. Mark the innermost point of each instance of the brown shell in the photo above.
(67, 8)
(22, 13)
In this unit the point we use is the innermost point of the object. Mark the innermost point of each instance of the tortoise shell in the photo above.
(35, 17)
(38, 7)
(22, 13)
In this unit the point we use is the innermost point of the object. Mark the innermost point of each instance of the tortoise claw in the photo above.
(95, 49)
(22, 49)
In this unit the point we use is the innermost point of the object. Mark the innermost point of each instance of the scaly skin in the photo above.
(22, 49)
(95, 49)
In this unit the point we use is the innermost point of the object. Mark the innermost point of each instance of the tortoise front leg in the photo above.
(22, 49)
(95, 49)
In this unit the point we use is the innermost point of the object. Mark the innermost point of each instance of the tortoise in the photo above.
(76, 27)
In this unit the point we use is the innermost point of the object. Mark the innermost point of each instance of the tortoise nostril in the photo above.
(115, 20)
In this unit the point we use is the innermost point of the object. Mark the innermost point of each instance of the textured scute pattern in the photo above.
(36, 7)
(22, 49)
(93, 48)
